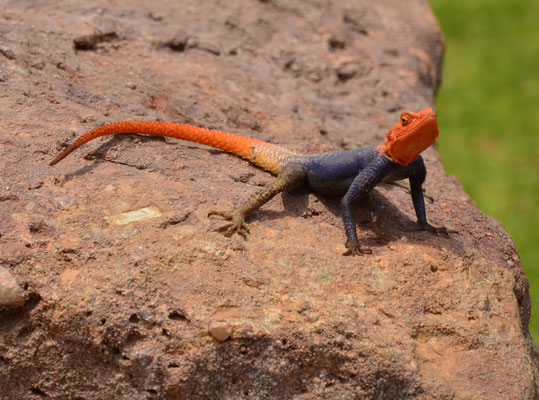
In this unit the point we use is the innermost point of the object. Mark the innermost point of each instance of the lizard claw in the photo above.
(355, 249)
(437, 230)
(237, 223)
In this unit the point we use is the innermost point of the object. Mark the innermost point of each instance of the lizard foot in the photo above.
(237, 223)
(437, 230)
(355, 249)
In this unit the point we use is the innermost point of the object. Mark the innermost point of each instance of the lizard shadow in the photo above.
(295, 204)
(98, 155)
(79, 172)
(375, 214)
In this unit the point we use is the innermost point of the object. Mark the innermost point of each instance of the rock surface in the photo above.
(126, 281)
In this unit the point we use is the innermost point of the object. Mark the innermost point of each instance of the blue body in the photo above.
(354, 173)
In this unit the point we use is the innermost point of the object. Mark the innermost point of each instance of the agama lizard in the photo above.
(351, 173)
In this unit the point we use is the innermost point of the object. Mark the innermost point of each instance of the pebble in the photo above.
(220, 330)
(10, 292)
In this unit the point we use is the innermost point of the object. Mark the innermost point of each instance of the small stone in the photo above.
(220, 330)
(10, 292)
(313, 317)
(147, 315)
(133, 216)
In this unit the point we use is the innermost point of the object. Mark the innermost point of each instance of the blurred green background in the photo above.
(488, 112)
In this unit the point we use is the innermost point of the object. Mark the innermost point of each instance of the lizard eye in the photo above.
(404, 119)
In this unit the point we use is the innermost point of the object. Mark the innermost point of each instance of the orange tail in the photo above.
(263, 154)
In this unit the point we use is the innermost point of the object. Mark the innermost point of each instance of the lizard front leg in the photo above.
(291, 177)
(364, 182)
(416, 190)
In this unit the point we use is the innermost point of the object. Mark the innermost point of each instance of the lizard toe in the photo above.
(355, 249)
(237, 225)
(437, 230)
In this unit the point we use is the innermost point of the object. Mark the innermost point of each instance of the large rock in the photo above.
(131, 294)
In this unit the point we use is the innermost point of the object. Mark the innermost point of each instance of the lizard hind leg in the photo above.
(291, 177)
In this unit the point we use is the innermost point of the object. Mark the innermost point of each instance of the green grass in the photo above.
(488, 112)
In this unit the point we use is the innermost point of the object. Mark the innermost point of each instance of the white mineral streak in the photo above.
(132, 216)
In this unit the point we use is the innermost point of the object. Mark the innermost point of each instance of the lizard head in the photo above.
(413, 134)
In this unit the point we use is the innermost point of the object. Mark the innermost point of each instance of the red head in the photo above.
(413, 134)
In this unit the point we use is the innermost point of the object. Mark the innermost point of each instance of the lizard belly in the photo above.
(330, 188)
